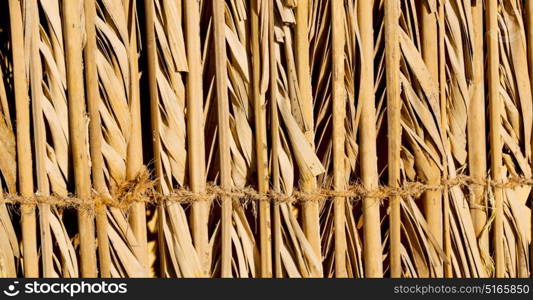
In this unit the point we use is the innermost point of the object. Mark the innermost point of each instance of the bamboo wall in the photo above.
(258, 138)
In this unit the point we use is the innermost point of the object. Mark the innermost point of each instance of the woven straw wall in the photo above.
(266, 138)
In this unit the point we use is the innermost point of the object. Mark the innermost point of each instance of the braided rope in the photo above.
(142, 190)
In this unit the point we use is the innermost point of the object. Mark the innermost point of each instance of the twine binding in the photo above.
(141, 190)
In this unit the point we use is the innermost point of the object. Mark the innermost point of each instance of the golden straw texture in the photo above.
(266, 138)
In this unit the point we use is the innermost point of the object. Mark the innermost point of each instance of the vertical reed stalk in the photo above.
(134, 157)
(477, 152)
(430, 53)
(24, 159)
(369, 173)
(495, 127)
(221, 77)
(39, 137)
(72, 10)
(311, 216)
(151, 55)
(529, 32)
(95, 135)
(261, 146)
(195, 130)
(448, 273)
(274, 119)
(339, 132)
(394, 132)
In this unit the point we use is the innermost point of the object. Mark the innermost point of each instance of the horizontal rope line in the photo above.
(139, 191)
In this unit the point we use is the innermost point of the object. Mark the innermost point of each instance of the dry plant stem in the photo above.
(448, 272)
(430, 53)
(495, 106)
(529, 13)
(134, 160)
(221, 78)
(151, 56)
(339, 113)
(104, 257)
(261, 147)
(394, 131)
(311, 218)
(477, 151)
(195, 131)
(78, 136)
(39, 137)
(95, 136)
(369, 173)
(24, 160)
(303, 68)
(278, 272)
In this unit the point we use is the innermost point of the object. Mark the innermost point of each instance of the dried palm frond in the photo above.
(9, 245)
(46, 60)
(116, 95)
